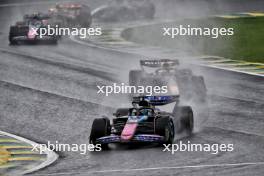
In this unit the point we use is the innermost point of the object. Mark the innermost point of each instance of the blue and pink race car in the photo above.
(143, 122)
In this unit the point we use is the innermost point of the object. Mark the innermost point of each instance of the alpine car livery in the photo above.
(28, 30)
(143, 122)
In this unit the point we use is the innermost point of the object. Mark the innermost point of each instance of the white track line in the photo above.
(158, 168)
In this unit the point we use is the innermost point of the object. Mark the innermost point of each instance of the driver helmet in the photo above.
(134, 112)
(146, 112)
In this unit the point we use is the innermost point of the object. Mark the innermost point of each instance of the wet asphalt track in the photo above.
(48, 93)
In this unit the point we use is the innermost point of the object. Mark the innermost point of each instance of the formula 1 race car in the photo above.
(125, 10)
(72, 15)
(166, 72)
(28, 29)
(143, 122)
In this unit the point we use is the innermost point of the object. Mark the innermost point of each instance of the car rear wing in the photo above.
(155, 100)
(158, 63)
(69, 6)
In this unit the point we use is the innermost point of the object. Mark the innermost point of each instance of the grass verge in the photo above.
(246, 44)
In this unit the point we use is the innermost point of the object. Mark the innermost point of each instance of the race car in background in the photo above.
(179, 81)
(72, 15)
(166, 72)
(27, 30)
(143, 122)
(125, 10)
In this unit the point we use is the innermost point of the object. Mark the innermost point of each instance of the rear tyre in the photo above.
(164, 127)
(199, 99)
(185, 119)
(199, 89)
(100, 127)
(134, 79)
(12, 32)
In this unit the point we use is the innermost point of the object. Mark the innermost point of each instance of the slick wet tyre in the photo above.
(164, 126)
(185, 122)
(199, 89)
(134, 77)
(12, 34)
(100, 127)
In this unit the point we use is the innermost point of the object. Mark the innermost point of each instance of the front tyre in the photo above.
(199, 89)
(100, 128)
(12, 41)
(12, 34)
